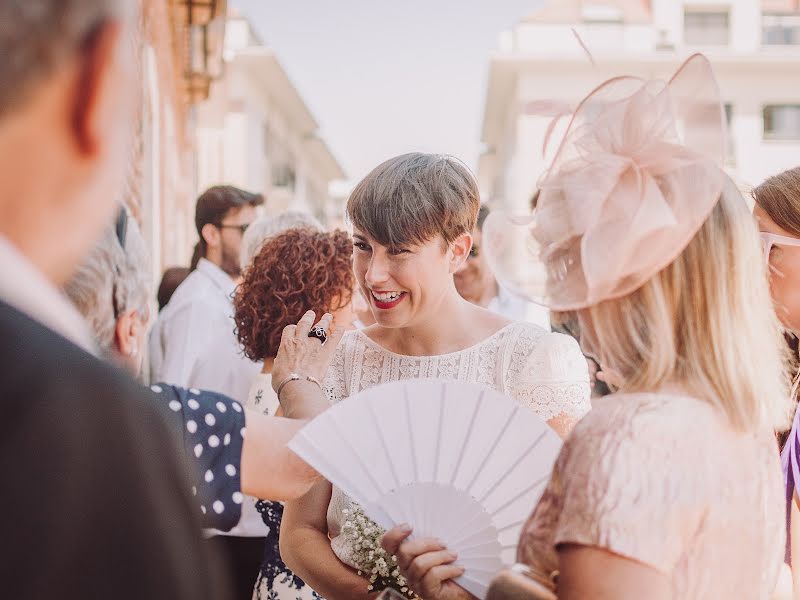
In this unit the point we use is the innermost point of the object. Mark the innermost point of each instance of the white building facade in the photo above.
(754, 46)
(256, 132)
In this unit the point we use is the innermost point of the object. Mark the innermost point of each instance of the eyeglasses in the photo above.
(768, 240)
(121, 229)
(121, 226)
(241, 228)
(475, 251)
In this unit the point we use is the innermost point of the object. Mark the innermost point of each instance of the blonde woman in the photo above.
(671, 487)
(777, 210)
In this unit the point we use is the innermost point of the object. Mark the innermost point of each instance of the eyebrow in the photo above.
(360, 237)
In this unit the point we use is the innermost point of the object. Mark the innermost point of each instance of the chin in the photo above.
(389, 322)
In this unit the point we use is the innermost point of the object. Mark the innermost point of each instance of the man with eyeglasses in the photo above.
(193, 345)
(476, 282)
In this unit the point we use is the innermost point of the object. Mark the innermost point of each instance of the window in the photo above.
(705, 28)
(283, 175)
(603, 26)
(782, 122)
(730, 150)
(601, 13)
(282, 171)
(266, 138)
(780, 29)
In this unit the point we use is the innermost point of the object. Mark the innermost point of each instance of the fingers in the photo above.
(410, 550)
(304, 324)
(287, 334)
(325, 322)
(433, 580)
(420, 567)
(392, 539)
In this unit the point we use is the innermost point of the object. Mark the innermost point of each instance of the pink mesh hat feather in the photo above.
(637, 173)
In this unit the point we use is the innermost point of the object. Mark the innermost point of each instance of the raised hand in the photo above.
(304, 355)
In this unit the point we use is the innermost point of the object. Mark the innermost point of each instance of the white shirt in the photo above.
(516, 309)
(193, 345)
(26, 288)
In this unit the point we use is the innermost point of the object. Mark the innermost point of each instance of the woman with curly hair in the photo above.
(299, 270)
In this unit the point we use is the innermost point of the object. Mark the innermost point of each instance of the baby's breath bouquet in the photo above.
(373, 561)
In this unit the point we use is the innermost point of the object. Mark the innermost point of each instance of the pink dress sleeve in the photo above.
(624, 482)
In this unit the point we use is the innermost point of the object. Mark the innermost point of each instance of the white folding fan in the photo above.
(456, 461)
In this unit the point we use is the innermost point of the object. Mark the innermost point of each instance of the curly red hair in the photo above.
(296, 271)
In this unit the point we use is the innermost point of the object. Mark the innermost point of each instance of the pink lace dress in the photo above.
(665, 481)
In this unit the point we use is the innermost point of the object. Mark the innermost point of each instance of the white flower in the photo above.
(364, 537)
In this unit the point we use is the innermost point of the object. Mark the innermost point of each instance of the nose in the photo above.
(378, 270)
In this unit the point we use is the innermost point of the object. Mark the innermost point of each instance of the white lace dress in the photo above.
(542, 370)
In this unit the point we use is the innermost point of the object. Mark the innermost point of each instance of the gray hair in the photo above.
(267, 227)
(110, 279)
(37, 36)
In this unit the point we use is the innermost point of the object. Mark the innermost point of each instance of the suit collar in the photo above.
(25, 288)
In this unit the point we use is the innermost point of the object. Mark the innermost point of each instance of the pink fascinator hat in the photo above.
(637, 172)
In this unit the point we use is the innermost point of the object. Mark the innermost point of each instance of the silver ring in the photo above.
(319, 333)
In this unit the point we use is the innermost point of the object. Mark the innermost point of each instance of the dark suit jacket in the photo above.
(94, 501)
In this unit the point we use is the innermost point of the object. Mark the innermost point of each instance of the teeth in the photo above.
(386, 296)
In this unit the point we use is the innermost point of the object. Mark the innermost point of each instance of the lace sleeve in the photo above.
(549, 374)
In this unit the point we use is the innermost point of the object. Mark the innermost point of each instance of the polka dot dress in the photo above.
(213, 429)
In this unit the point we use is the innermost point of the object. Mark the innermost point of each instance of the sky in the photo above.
(384, 77)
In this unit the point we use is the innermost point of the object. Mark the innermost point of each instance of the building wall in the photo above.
(545, 62)
(161, 168)
(254, 131)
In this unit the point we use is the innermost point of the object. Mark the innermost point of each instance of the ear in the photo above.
(127, 333)
(211, 235)
(98, 92)
(460, 251)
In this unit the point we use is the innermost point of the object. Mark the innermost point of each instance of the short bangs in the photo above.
(413, 198)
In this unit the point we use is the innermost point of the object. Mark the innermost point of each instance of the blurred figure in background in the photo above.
(192, 344)
(96, 503)
(476, 283)
(110, 289)
(170, 280)
(267, 227)
(222, 215)
(777, 212)
(298, 270)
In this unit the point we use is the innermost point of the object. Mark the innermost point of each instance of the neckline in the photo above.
(369, 341)
(217, 276)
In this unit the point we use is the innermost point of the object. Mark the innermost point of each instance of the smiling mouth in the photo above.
(387, 300)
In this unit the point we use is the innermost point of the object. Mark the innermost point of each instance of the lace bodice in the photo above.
(542, 370)
(665, 481)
